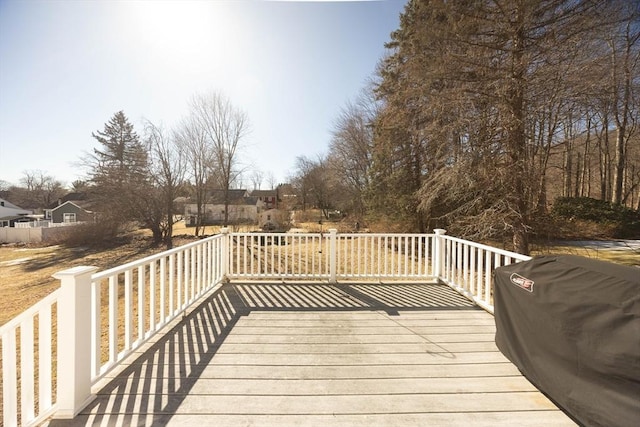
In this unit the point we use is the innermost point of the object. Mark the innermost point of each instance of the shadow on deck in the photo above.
(319, 354)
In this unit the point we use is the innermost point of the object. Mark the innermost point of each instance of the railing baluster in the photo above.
(113, 318)
(465, 267)
(200, 270)
(152, 295)
(193, 258)
(472, 271)
(45, 365)
(27, 374)
(171, 275)
(163, 288)
(141, 302)
(481, 256)
(280, 242)
(181, 290)
(96, 327)
(392, 256)
(128, 308)
(9, 378)
(251, 256)
(487, 278)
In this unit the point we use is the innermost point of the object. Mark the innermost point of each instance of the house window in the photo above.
(69, 217)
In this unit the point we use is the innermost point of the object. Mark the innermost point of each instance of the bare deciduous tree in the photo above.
(351, 149)
(224, 128)
(256, 178)
(42, 190)
(192, 141)
(167, 169)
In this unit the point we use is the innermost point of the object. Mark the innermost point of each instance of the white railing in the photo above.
(468, 268)
(330, 256)
(141, 297)
(27, 372)
(279, 256)
(121, 308)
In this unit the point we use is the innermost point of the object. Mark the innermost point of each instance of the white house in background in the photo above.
(8, 209)
(242, 209)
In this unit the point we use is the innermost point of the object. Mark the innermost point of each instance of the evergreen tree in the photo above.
(462, 88)
(119, 172)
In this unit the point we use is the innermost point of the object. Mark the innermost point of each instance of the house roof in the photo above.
(8, 204)
(70, 203)
(14, 217)
(264, 193)
(79, 199)
(235, 197)
(8, 208)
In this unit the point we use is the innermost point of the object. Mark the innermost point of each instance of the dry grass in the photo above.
(26, 270)
(630, 257)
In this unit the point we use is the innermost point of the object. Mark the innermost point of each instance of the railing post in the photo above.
(438, 256)
(226, 244)
(74, 341)
(333, 256)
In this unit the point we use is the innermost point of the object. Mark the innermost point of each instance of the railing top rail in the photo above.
(30, 312)
(133, 264)
(249, 233)
(489, 248)
(386, 234)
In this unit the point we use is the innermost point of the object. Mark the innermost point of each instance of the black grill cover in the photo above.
(572, 327)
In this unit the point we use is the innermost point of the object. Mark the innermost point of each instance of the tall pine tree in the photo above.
(461, 86)
(119, 171)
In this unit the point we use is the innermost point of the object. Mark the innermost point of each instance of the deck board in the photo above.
(236, 362)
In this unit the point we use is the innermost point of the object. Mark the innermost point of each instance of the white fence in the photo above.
(121, 308)
(28, 234)
(45, 223)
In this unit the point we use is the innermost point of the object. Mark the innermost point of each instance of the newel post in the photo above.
(74, 341)
(333, 256)
(438, 256)
(225, 251)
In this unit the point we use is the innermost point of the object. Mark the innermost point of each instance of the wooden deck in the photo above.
(322, 355)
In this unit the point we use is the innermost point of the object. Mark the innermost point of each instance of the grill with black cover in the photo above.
(572, 326)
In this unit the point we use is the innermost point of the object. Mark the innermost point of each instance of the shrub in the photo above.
(621, 220)
(100, 234)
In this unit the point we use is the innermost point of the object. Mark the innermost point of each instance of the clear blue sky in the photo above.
(67, 66)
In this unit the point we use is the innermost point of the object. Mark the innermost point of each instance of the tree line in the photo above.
(483, 112)
(139, 179)
(134, 178)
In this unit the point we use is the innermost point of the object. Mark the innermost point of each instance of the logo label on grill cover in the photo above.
(522, 282)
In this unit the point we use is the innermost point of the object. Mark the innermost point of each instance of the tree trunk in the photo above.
(517, 138)
(618, 171)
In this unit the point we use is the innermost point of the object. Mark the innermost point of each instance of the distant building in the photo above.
(70, 212)
(10, 214)
(73, 207)
(242, 209)
(267, 199)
